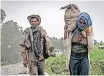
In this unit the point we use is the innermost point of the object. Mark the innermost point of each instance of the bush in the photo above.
(57, 63)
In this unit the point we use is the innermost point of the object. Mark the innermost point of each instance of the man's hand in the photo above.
(25, 63)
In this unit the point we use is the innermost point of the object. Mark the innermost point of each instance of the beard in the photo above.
(34, 25)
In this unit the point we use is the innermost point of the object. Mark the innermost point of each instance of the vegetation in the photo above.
(10, 38)
(96, 61)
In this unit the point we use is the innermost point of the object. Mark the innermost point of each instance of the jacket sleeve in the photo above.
(22, 43)
(24, 36)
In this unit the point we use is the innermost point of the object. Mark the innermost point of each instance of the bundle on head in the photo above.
(70, 17)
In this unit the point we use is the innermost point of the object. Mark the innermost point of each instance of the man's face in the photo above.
(34, 22)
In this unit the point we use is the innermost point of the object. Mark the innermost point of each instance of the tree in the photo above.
(10, 38)
(3, 15)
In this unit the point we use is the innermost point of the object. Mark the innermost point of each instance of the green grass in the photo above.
(97, 54)
(96, 60)
(58, 61)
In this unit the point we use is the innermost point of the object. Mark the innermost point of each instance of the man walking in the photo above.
(32, 46)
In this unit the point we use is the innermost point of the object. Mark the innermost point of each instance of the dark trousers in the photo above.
(37, 68)
(79, 64)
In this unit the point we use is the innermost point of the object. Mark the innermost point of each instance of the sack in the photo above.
(70, 17)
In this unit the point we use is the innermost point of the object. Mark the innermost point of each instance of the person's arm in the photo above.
(90, 36)
(90, 41)
(23, 47)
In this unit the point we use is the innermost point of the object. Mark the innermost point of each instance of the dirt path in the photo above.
(15, 69)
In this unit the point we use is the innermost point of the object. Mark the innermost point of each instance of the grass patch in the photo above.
(96, 60)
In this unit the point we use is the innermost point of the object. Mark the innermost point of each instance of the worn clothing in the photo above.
(79, 49)
(79, 64)
(33, 55)
(37, 42)
(79, 37)
(36, 68)
(27, 44)
(79, 42)
(32, 49)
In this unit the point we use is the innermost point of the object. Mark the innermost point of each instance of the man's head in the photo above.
(34, 20)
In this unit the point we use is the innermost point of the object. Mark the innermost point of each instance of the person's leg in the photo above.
(74, 66)
(33, 68)
(41, 67)
(85, 66)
